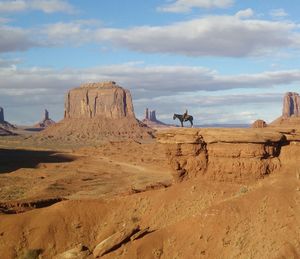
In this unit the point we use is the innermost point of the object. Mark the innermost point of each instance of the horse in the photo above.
(180, 117)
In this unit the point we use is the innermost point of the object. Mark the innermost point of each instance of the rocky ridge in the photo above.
(238, 155)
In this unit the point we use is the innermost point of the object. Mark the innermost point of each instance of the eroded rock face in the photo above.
(106, 100)
(291, 105)
(259, 124)
(97, 112)
(222, 154)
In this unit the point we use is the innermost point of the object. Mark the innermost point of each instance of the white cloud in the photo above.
(229, 36)
(15, 39)
(184, 6)
(233, 36)
(278, 13)
(46, 6)
(149, 81)
(247, 13)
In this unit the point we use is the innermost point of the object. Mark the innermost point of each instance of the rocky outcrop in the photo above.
(46, 121)
(259, 124)
(291, 105)
(98, 111)
(102, 100)
(222, 154)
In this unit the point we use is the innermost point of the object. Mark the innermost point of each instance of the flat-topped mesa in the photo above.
(97, 112)
(1, 115)
(291, 105)
(103, 100)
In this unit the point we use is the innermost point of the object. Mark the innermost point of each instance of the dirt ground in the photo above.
(55, 197)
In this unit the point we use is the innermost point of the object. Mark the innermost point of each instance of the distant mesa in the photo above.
(150, 119)
(259, 124)
(98, 111)
(46, 121)
(290, 112)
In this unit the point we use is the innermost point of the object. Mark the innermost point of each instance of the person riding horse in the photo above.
(184, 117)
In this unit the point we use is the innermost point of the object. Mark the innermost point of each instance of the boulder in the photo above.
(115, 240)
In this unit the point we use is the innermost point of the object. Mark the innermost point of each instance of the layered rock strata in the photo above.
(237, 155)
(98, 111)
(102, 100)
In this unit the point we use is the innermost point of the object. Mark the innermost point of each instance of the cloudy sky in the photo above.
(226, 61)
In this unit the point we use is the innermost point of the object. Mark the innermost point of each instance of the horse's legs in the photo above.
(181, 123)
(191, 123)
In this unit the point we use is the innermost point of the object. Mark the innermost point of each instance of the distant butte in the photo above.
(46, 121)
(98, 111)
(290, 111)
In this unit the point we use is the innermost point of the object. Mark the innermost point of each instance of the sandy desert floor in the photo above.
(61, 202)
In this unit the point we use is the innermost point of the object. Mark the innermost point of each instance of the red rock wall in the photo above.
(106, 100)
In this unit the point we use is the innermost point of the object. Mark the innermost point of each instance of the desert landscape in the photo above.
(165, 129)
(101, 183)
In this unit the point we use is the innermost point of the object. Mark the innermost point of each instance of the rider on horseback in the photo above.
(185, 115)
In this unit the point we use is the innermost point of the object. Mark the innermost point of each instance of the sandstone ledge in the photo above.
(238, 155)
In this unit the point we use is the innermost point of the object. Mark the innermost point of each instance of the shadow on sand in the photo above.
(14, 159)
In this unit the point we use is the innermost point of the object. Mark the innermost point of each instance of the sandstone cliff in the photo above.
(102, 100)
(227, 154)
(98, 111)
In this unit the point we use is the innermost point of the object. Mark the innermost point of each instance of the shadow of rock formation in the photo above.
(14, 159)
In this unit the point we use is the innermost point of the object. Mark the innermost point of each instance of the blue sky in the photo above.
(226, 61)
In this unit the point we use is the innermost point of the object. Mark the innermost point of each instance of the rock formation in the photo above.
(98, 111)
(1, 115)
(6, 127)
(46, 122)
(291, 105)
(259, 124)
(102, 100)
(222, 154)
(290, 112)
(151, 121)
